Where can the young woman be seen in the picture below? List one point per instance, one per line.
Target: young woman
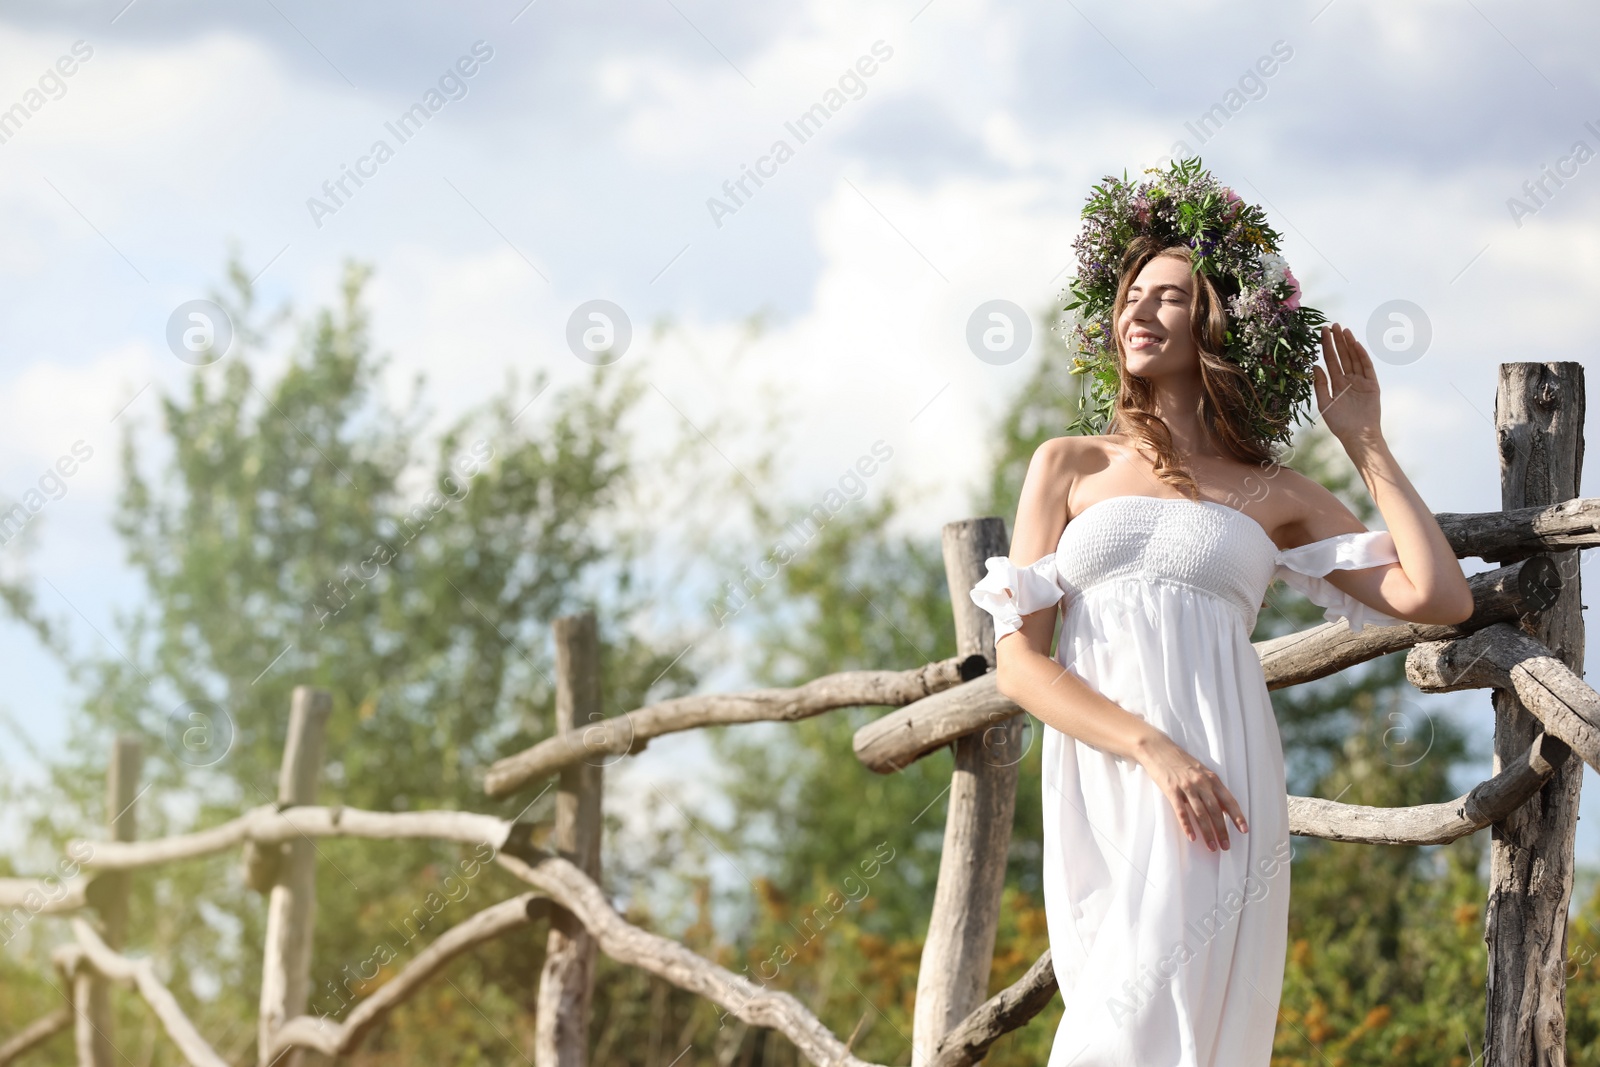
(1166, 853)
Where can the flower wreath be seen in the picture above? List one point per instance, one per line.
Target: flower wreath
(1270, 336)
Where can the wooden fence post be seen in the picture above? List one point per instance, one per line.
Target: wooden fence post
(959, 951)
(291, 911)
(92, 993)
(1539, 411)
(566, 986)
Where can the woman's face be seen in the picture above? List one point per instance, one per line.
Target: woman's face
(1154, 328)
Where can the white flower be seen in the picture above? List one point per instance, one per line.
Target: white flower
(1273, 267)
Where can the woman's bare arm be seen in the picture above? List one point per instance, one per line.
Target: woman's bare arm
(1027, 674)
(1427, 585)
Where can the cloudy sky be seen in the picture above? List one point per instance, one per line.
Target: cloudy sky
(595, 152)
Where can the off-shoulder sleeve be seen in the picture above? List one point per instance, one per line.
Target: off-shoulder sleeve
(1303, 569)
(1009, 592)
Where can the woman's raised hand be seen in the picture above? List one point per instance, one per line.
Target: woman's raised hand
(1198, 797)
(1347, 387)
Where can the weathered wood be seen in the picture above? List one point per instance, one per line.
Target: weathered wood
(1507, 659)
(628, 734)
(958, 953)
(566, 985)
(900, 738)
(91, 953)
(38, 896)
(109, 896)
(270, 825)
(755, 1004)
(1516, 533)
(1430, 824)
(747, 1001)
(342, 1038)
(266, 824)
(1008, 1010)
(83, 982)
(291, 910)
(1504, 594)
(1539, 413)
(35, 1034)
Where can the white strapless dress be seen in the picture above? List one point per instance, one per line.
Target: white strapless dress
(1169, 954)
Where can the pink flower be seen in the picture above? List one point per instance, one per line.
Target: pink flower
(1293, 301)
(1234, 206)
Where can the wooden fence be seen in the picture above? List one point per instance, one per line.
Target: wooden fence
(1524, 643)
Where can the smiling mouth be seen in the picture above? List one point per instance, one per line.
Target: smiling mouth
(1140, 339)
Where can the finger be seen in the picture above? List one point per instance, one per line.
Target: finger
(1205, 817)
(1363, 359)
(1319, 382)
(1341, 349)
(1352, 354)
(1199, 820)
(1330, 359)
(1231, 806)
(1218, 822)
(1181, 810)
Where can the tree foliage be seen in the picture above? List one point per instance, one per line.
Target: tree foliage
(292, 530)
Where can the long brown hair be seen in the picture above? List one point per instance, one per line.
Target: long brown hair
(1226, 394)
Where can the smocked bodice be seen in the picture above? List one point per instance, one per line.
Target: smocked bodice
(1204, 545)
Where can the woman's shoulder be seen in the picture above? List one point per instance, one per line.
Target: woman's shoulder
(1056, 466)
(1073, 447)
(1302, 486)
(1061, 461)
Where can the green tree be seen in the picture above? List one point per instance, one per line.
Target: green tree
(292, 530)
(1583, 984)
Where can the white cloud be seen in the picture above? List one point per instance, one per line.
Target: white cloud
(47, 406)
(683, 114)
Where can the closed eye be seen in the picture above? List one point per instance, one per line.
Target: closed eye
(1167, 290)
